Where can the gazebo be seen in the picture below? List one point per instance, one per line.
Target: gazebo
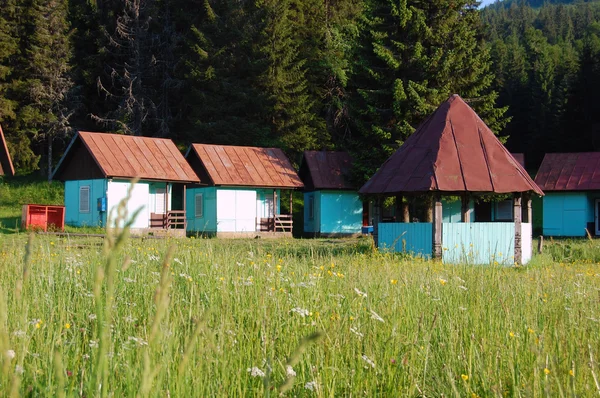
(453, 154)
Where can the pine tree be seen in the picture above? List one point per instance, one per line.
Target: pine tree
(9, 47)
(412, 56)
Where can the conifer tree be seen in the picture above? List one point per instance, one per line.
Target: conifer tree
(412, 56)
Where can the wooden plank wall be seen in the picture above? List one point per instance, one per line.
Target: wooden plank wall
(478, 243)
(415, 238)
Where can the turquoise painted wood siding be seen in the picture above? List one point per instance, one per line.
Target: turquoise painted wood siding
(451, 211)
(340, 212)
(73, 217)
(567, 213)
(207, 222)
(414, 238)
(478, 243)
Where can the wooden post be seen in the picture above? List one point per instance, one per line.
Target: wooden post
(184, 207)
(437, 226)
(541, 245)
(465, 214)
(274, 202)
(527, 214)
(405, 212)
(517, 217)
(291, 202)
(165, 218)
(376, 220)
(430, 209)
(398, 208)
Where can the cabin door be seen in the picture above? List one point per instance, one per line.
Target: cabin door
(160, 201)
(597, 214)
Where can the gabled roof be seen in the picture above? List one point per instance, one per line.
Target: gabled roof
(125, 156)
(569, 172)
(452, 151)
(6, 166)
(519, 157)
(326, 170)
(243, 166)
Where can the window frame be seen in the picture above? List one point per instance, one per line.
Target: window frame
(87, 209)
(511, 206)
(201, 213)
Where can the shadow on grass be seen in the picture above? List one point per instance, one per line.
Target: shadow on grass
(10, 225)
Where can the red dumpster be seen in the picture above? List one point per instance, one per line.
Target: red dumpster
(44, 217)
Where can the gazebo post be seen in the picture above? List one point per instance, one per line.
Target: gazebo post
(405, 212)
(437, 226)
(376, 220)
(465, 214)
(430, 201)
(517, 217)
(528, 214)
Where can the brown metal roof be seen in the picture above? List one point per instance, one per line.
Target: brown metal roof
(125, 156)
(245, 166)
(326, 170)
(452, 151)
(519, 157)
(569, 172)
(6, 165)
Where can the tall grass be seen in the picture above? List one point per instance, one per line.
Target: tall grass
(243, 318)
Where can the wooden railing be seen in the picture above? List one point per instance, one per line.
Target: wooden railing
(283, 223)
(176, 219)
(279, 223)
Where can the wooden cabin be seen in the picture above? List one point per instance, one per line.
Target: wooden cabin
(243, 192)
(571, 182)
(6, 165)
(453, 154)
(332, 206)
(97, 169)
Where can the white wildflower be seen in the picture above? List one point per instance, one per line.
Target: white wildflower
(138, 340)
(93, 344)
(376, 316)
(91, 317)
(178, 261)
(312, 386)
(129, 280)
(462, 308)
(86, 356)
(255, 372)
(361, 294)
(369, 361)
(185, 276)
(130, 319)
(19, 333)
(19, 369)
(153, 257)
(356, 332)
(300, 311)
(463, 287)
(10, 354)
(289, 371)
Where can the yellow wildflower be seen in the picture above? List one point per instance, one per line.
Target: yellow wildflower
(464, 377)
(571, 373)
(67, 326)
(393, 281)
(443, 281)
(546, 371)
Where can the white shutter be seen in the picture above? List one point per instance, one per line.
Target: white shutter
(84, 199)
(199, 206)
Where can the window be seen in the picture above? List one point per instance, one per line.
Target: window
(311, 208)
(504, 210)
(84, 199)
(199, 205)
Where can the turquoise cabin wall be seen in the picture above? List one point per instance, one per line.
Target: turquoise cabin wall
(208, 221)
(478, 243)
(412, 238)
(73, 217)
(340, 212)
(567, 213)
(451, 210)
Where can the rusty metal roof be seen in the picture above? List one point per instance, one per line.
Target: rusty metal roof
(245, 166)
(126, 156)
(326, 170)
(569, 172)
(452, 151)
(519, 157)
(6, 165)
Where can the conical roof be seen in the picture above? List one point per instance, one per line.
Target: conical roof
(452, 151)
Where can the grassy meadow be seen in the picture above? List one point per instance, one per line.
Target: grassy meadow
(194, 317)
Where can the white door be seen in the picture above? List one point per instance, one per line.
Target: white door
(236, 211)
(597, 213)
(160, 197)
